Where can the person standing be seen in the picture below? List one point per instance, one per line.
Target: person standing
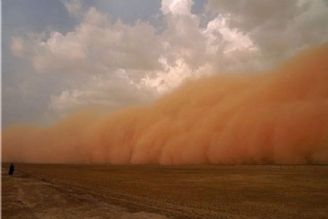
(11, 169)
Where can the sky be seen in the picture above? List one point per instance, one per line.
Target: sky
(62, 55)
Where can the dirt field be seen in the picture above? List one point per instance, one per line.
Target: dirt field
(104, 191)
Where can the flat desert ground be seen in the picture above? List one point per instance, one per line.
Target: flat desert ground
(151, 191)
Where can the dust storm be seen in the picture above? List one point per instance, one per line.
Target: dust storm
(279, 116)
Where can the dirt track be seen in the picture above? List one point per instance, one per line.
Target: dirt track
(101, 191)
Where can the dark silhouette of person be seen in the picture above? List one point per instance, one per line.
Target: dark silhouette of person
(11, 169)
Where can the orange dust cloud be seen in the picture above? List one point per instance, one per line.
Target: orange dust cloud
(279, 116)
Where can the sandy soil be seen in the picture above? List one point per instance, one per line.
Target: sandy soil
(105, 191)
(26, 197)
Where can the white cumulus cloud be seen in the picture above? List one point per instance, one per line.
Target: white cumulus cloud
(123, 64)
